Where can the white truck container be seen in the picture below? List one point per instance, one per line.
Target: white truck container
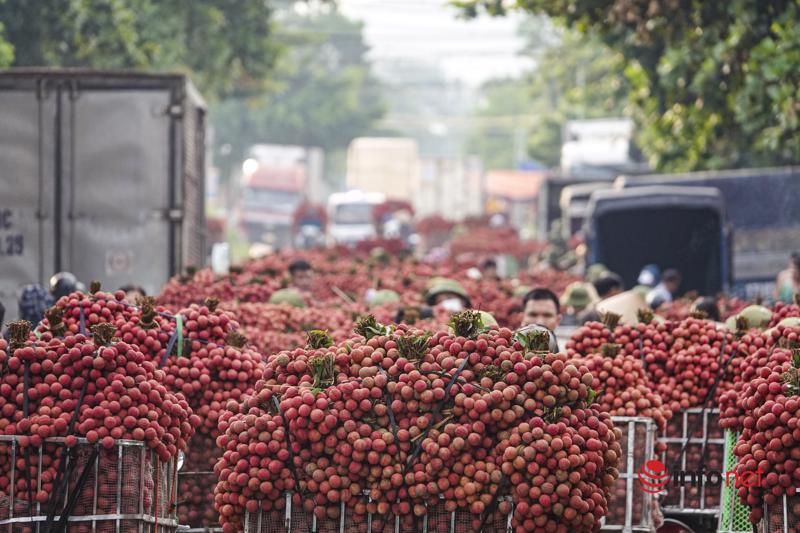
(350, 217)
(386, 165)
(102, 175)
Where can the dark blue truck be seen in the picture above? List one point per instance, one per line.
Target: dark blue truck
(762, 209)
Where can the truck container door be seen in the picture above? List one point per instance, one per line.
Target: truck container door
(28, 215)
(119, 185)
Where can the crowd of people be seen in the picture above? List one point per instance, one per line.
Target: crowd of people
(582, 301)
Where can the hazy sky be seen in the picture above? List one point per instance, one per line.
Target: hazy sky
(470, 51)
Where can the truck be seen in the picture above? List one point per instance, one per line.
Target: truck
(103, 176)
(673, 227)
(385, 165)
(350, 216)
(763, 206)
(574, 202)
(599, 149)
(548, 206)
(275, 179)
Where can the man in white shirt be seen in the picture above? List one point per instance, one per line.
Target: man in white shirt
(664, 291)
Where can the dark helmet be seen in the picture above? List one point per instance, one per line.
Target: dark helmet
(63, 283)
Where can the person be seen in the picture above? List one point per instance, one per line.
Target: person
(34, 300)
(608, 285)
(666, 289)
(787, 283)
(132, 293)
(595, 272)
(576, 300)
(707, 305)
(411, 314)
(449, 294)
(649, 276)
(64, 283)
(489, 269)
(540, 306)
(302, 275)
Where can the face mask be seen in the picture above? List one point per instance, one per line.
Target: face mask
(453, 305)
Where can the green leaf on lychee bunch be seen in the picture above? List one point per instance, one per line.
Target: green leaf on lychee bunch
(492, 372)
(792, 378)
(535, 340)
(610, 320)
(591, 397)
(368, 327)
(645, 315)
(467, 324)
(19, 332)
(610, 349)
(322, 370)
(413, 347)
(318, 338)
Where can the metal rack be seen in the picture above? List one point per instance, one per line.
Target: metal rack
(638, 446)
(293, 520)
(125, 489)
(783, 517)
(690, 430)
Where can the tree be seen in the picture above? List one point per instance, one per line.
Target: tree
(576, 77)
(322, 93)
(497, 133)
(713, 84)
(224, 45)
(6, 50)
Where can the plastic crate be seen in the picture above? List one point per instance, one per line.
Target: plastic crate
(734, 516)
(693, 440)
(783, 517)
(125, 488)
(629, 507)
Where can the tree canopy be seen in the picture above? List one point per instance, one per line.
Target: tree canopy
(713, 84)
(576, 77)
(322, 92)
(225, 46)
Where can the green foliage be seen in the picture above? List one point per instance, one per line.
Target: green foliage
(225, 46)
(322, 93)
(493, 137)
(713, 84)
(368, 327)
(575, 77)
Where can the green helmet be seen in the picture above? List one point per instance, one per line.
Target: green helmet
(757, 316)
(379, 254)
(595, 271)
(576, 295)
(288, 296)
(432, 282)
(521, 291)
(446, 285)
(384, 296)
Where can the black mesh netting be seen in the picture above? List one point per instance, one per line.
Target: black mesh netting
(361, 517)
(784, 516)
(125, 479)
